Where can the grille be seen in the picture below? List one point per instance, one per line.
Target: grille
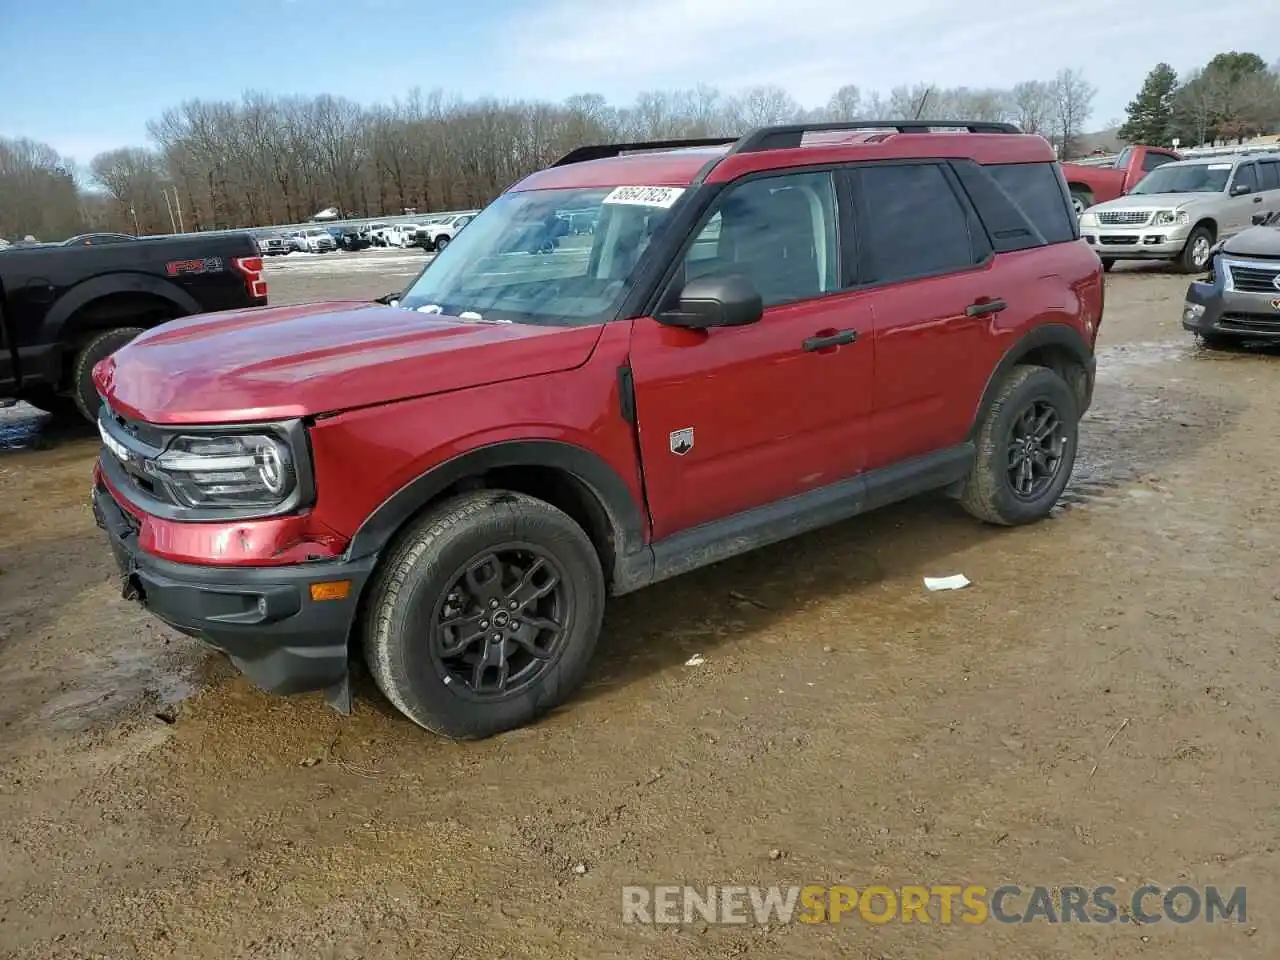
(1254, 279)
(1127, 218)
(1252, 322)
(1119, 238)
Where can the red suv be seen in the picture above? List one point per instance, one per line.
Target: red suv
(756, 338)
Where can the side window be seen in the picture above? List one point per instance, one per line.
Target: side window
(1152, 160)
(1035, 188)
(778, 231)
(1269, 175)
(1244, 174)
(911, 222)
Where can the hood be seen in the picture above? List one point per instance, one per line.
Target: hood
(274, 363)
(1254, 242)
(1155, 201)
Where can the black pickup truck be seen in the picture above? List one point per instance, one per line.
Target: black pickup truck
(64, 308)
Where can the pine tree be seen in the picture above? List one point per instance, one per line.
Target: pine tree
(1150, 113)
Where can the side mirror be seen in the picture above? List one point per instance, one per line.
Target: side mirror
(727, 300)
(1240, 189)
(1259, 219)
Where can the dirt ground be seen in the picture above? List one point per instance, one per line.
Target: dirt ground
(1101, 705)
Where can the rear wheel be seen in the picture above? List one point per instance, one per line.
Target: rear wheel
(485, 615)
(1081, 200)
(102, 345)
(1026, 448)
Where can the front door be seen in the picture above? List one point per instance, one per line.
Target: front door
(738, 417)
(1240, 209)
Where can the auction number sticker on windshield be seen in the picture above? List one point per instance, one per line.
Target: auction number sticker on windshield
(645, 196)
(1219, 166)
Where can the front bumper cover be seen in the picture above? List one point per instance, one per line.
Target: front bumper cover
(262, 618)
(1211, 309)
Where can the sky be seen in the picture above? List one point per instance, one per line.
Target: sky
(87, 75)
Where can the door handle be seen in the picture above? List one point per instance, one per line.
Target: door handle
(1257, 199)
(822, 341)
(983, 307)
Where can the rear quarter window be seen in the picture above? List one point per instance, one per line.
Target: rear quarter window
(1035, 188)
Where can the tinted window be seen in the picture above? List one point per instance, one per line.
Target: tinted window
(912, 221)
(1035, 188)
(1269, 176)
(1244, 174)
(779, 231)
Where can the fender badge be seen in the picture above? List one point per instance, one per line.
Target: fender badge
(682, 441)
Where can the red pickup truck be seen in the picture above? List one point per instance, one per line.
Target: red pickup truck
(1092, 183)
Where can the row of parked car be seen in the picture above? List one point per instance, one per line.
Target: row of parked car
(432, 234)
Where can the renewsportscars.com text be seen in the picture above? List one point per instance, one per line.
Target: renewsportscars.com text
(938, 903)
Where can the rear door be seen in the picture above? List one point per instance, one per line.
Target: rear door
(938, 299)
(1269, 185)
(739, 417)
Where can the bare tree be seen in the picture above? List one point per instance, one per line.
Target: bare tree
(1073, 104)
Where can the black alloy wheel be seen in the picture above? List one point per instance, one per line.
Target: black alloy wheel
(501, 623)
(1037, 444)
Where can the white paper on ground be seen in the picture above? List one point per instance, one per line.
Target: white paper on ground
(956, 581)
(696, 660)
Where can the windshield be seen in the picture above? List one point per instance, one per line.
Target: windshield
(1195, 178)
(519, 262)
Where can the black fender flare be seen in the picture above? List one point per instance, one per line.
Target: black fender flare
(587, 468)
(116, 283)
(1058, 335)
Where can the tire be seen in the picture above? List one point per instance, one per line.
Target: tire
(1108, 263)
(405, 647)
(989, 492)
(1081, 200)
(441, 243)
(1195, 255)
(101, 346)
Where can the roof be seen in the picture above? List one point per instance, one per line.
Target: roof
(1234, 159)
(668, 164)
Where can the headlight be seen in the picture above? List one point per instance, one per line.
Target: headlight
(226, 471)
(1168, 218)
(1088, 219)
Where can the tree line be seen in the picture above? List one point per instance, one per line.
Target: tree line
(265, 159)
(1231, 98)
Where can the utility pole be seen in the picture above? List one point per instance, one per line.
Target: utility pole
(178, 203)
(169, 203)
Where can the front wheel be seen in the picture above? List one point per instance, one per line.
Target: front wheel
(1026, 448)
(441, 243)
(485, 615)
(1195, 255)
(1108, 263)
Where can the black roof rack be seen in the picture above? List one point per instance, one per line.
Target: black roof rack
(791, 135)
(600, 151)
(782, 137)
